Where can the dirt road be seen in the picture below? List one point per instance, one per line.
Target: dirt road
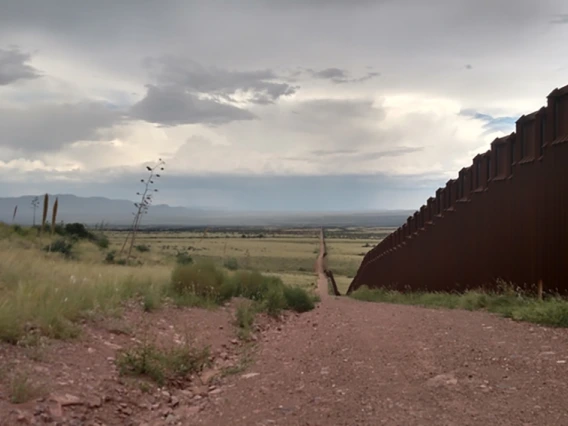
(356, 363)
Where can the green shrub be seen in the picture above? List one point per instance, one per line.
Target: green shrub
(183, 258)
(203, 283)
(275, 301)
(22, 389)
(23, 232)
(102, 241)
(78, 230)
(151, 299)
(244, 316)
(253, 285)
(231, 264)
(109, 258)
(298, 299)
(62, 246)
(142, 248)
(203, 279)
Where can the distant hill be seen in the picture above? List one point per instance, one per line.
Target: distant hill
(93, 210)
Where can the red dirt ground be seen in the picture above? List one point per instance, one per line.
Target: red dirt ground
(345, 363)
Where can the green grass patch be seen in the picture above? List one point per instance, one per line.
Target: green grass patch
(162, 365)
(552, 311)
(244, 318)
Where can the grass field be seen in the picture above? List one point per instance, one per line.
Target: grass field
(289, 253)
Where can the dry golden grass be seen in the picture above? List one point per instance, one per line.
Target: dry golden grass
(42, 291)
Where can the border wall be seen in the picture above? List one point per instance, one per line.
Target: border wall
(504, 217)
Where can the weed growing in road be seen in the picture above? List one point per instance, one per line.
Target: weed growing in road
(22, 389)
(552, 311)
(245, 360)
(162, 365)
(244, 319)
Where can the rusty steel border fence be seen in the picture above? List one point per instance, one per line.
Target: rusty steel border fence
(505, 217)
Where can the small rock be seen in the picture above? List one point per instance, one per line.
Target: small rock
(234, 341)
(174, 401)
(94, 402)
(126, 410)
(55, 410)
(215, 391)
(22, 417)
(67, 400)
(443, 379)
(250, 375)
(47, 418)
(208, 375)
(166, 395)
(171, 419)
(191, 411)
(200, 390)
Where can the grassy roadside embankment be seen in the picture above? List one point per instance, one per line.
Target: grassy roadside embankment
(551, 311)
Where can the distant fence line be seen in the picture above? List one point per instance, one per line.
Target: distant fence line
(504, 217)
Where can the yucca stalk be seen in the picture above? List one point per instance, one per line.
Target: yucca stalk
(143, 205)
(54, 215)
(53, 219)
(35, 205)
(44, 216)
(14, 215)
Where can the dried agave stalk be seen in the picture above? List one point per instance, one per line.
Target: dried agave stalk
(54, 215)
(44, 216)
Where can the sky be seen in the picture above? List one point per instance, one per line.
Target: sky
(303, 105)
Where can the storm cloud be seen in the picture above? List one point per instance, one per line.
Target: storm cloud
(171, 106)
(300, 92)
(14, 66)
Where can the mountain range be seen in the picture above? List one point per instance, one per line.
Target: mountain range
(94, 210)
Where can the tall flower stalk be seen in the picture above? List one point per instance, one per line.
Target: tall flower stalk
(146, 198)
